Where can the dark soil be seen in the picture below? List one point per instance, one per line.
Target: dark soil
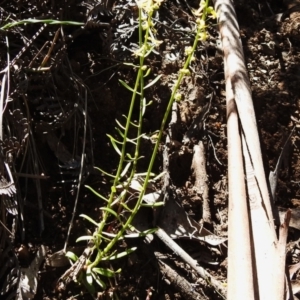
(48, 107)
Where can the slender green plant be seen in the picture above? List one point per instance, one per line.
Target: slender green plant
(34, 21)
(103, 243)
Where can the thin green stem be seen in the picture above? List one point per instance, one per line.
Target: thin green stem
(139, 83)
(170, 104)
(143, 43)
(119, 170)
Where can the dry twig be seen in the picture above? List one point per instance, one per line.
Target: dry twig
(189, 260)
(201, 179)
(179, 282)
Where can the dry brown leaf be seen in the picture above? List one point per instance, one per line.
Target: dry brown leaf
(293, 269)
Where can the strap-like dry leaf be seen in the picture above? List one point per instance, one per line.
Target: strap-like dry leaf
(29, 276)
(293, 269)
(59, 259)
(295, 217)
(177, 224)
(295, 286)
(151, 198)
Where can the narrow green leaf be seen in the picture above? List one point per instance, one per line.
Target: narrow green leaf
(100, 282)
(109, 210)
(129, 156)
(130, 141)
(89, 277)
(147, 73)
(135, 125)
(132, 235)
(159, 176)
(138, 137)
(72, 256)
(143, 106)
(85, 238)
(125, 169)
(122, 185)
(100, 236)
(126, 207)
(46, 21)
(119, 198)
(144, 174)
(105, 173)
(156, 204)
(89, 219)
(128, 87)
(130, 160)
(131, 227)
(149, 231)
(119, 255)
(140, 234)
(153, 81)
(120, 132)
(115, 146)
(104, 272)
(116, 141)
(112, 235)
(120, 125)
(149, 51)
(95, 193)
(130, 65)
(124, 138)
(149, 103)
(133, 159)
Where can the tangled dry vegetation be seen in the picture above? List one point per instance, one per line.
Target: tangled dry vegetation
(60, 96)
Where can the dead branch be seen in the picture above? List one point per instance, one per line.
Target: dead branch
(201, 186)
(193, 263)
(179, 282)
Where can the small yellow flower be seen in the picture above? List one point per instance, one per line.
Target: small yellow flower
(154, 41)
(188, 50)
(202, 3)
(198, 12)
(210, 10)
(202, 36)
(140, 51)
(177, 97)
(145, 25)
(145, 5)
(201, 23)
(155, 6)
(185, 71)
